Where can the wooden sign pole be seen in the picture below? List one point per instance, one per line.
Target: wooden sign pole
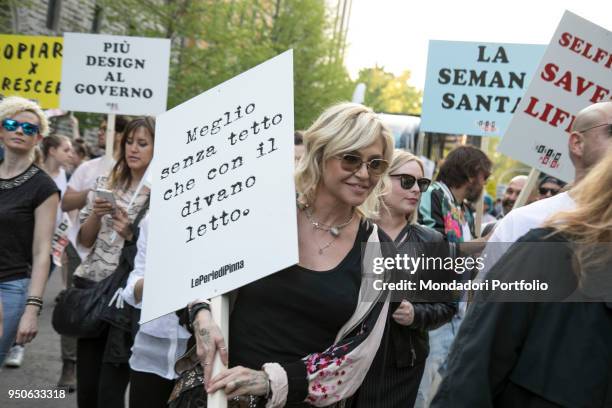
(219, 307)
(110, 136)
(484, 146)
(479, 213)
(527, 188)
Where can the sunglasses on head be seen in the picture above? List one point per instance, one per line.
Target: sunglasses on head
(12, 125)
(552, 191)
(407, 181)
(352, 163)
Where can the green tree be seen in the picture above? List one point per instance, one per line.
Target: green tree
(214, 40)
(504, 168)
(8, 10)
(386, 92)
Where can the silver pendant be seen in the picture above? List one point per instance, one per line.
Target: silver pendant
(334, 231)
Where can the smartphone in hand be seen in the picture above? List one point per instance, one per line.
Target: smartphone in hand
(106, 195)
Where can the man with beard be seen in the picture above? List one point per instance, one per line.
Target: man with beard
(444, 207)
(511, 194)
(462, 177)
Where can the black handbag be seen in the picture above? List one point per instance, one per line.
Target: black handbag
(84, 311)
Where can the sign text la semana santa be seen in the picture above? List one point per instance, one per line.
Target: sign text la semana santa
(475, 87)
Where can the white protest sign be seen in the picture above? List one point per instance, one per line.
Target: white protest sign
(115, 74)
(223, 210)
(60, 239)
(575, 72)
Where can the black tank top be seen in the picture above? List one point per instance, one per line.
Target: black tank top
(295, 312)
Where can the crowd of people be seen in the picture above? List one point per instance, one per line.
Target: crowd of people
(317, 333)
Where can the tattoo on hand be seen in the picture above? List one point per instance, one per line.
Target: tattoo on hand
(204, 335)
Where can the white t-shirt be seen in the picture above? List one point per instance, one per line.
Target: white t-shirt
(84, 178)
(61, 182)
(518, 222)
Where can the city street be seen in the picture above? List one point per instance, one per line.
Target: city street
(42, 362)
(354, 170)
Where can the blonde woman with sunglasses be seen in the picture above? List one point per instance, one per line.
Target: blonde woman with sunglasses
(307, 335)
(400, 360)
(29, 200)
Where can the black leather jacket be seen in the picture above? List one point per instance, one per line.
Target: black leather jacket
(413, 340)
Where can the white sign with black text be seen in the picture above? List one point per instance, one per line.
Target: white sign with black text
(223, 210)
(115, 74)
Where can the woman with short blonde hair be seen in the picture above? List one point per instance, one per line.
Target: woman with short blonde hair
(320, 310)
(28, 203)
(341, 129)
(401, 363)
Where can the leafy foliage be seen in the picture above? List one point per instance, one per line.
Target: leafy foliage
(386, 92)
(214, 40)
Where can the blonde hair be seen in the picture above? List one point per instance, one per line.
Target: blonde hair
(590, 223)
(342, 128)
(13, 105)
(401, 157)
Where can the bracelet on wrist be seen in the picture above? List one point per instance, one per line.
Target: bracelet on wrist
(36, 304)
(194, 309)
(35, 300)
(268, 386)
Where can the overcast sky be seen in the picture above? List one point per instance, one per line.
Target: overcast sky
(395, 33)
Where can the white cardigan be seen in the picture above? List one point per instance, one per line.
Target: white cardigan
(160, 342)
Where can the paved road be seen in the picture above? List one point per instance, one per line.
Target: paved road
(42, 363)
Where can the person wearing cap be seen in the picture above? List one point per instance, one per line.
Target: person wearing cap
(488, 214)
(549, 186)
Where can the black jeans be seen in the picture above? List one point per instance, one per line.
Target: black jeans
(99, 384)
(149, 390)
(69, 344)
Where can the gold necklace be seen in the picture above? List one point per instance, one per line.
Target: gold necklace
(324, 247)
(334, 230)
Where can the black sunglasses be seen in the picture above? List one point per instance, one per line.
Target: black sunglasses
(609, 125)
(552, 191)
(352, 163)
(12, 125)
(407, 181)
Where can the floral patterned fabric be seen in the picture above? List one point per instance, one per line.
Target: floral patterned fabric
(338, 372)
(438, 210)
(104, 255)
